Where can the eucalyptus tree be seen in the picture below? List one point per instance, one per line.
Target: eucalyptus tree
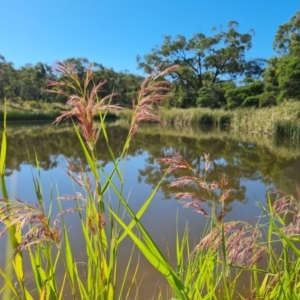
(8, 79)
(287, 38)
(204, 60)
(282, 75)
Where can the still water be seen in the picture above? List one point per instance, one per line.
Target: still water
(255, 165)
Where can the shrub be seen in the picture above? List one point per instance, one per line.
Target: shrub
(251, 101)
(267, 99)
(34, 104)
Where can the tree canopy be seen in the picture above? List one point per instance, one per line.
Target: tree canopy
(204, 60)
(28, 82)
(215, 71)
(287, 38)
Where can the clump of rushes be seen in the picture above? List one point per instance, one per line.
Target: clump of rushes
(235, 247)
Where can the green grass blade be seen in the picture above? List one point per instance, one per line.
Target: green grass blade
(69, 259)
(142, 209)
(61, 294)
(83, 293)
(10, 285)
(3, 145)
(87, 155)
(116, 168)
(34, 268)
(158, 261)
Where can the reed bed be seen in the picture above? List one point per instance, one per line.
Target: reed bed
(210, 270)
(192, 116)
(282, 147)
(195, 116)
(281, 120)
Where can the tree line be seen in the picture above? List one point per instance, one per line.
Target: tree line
(30, 81)
(215, 71)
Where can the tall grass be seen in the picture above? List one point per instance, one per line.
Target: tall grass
(282, 120)
(210, 270)
(198, 116)
(192, 116)
(38, 115)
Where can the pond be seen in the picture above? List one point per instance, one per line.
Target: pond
(254, 166)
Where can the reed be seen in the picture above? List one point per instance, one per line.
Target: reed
(210, 270)
(287, 129)
(281, 120)
(198, 116)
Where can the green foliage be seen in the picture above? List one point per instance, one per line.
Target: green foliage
(263, 120)
(202, 116)
(287, 38)
(287, 129)
(289, 78)
(251, 101)
(244, 96)
(30, 116)
(211, 96)
(270, 76)
(267, 99)
(204, 61)
(34, 104)
(29, 82)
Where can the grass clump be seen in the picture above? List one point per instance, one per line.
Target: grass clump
(192, 116)
(196, 116)
(211, 270)
(281, 120)
(287, 129)
(270, 120)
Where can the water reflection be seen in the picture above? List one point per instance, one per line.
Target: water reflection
(253, 165)
(240, 160)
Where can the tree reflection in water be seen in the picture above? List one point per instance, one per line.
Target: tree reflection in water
(240, 160)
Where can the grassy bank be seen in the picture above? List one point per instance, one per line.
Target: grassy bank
(210, 270)
(285, 148)
(36, 111)
(281, 120)
(192, 116)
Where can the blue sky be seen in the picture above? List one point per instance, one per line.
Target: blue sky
(114, 32)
